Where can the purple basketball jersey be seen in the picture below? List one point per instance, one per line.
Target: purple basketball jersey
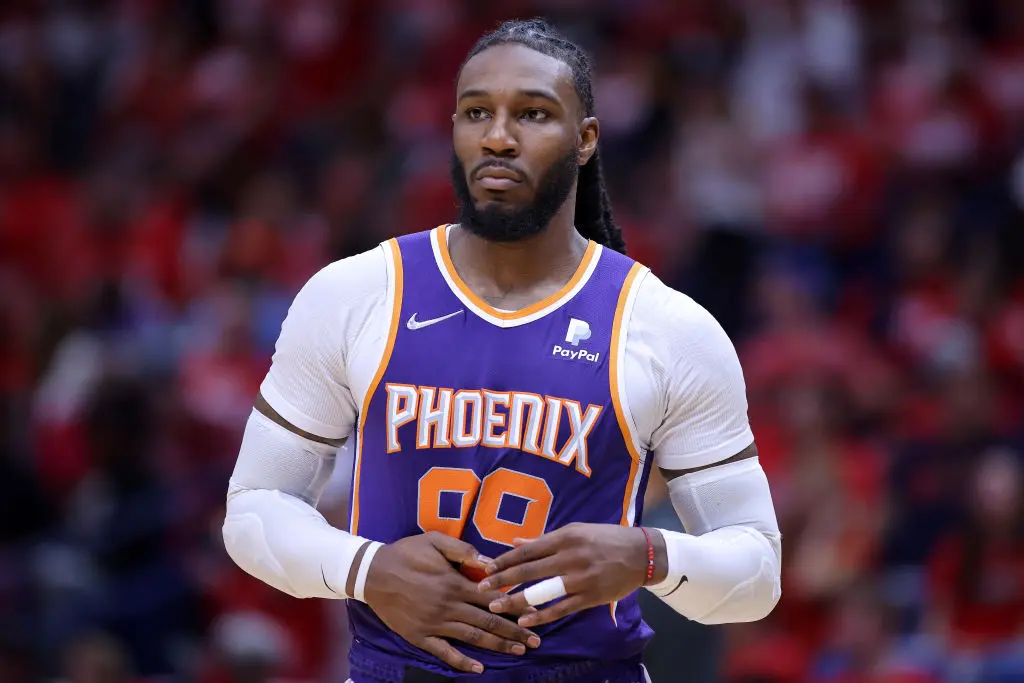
(489, 432)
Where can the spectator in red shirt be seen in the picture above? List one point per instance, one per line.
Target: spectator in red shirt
(977, 574)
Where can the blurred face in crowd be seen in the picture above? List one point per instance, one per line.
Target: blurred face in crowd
(96, 659)
(997, 489)
(517, 136)
(861, 622)
(922, 237)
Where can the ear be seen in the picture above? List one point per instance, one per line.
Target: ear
(590, 131)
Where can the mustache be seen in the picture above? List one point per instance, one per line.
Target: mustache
(497, 163)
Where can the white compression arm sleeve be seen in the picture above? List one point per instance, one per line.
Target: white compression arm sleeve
(272, 529)
(727, 568)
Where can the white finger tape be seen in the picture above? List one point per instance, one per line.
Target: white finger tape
(545, 591)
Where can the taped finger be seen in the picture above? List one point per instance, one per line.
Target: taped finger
(545, 591)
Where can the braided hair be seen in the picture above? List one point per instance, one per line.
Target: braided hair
(593, 215)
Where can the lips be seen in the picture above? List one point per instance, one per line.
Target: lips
(498, 178)
(495, 183)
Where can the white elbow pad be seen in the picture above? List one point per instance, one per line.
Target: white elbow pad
(272, 529)
(287, 544)
(727, 568)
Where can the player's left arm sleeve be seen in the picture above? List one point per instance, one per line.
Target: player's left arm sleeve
(727, 566)
(703, 405)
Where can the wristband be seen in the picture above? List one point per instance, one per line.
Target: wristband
(364, 569)
(650, 556)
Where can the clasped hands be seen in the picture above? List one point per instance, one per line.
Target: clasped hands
(411, 587)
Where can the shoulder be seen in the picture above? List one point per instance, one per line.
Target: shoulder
(339, 300)
(696, 395)
(653, 294)
(310, 379)
(677, 328)
(350, 279)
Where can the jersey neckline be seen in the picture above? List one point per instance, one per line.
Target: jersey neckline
(503, 318)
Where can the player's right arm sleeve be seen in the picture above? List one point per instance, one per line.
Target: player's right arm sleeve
(309, 382)
(272, 529)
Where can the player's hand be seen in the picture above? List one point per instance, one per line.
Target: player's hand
(414, 589)
(598, 563)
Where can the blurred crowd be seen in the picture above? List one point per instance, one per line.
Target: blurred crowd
(841, 182)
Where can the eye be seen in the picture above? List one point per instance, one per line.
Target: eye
(536, 115)
(476, 114)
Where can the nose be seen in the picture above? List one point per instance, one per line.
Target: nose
(499, 139)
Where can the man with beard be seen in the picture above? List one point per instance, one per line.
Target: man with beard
(507, 380)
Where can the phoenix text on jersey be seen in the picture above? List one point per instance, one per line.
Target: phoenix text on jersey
(446, 418)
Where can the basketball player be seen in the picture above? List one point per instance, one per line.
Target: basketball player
(510, 381)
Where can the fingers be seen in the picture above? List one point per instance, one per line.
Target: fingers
(538, 594)
(458, 551)
(479, 638)
(521, 573)
(450, 656)
(526, 551)
(518, 610)
(515, 608)
(481, 633)
(514, 604)
(469, 592)
(559, 610)
(497, 627)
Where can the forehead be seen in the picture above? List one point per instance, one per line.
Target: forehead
(503, 70)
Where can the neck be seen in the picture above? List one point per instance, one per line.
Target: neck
(509, 268)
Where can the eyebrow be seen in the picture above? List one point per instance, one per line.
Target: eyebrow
(532, 93)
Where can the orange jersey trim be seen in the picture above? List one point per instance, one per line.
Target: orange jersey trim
(614, 373)
(396, 314)
(560, 295)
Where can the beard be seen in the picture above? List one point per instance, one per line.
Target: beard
(499, 222)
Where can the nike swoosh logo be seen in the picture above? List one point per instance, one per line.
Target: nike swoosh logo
(414, 324)
(683, 580)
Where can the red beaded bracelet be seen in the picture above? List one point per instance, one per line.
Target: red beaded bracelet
(650, 556)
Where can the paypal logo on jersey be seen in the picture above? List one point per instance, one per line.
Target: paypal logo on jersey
(579, 330)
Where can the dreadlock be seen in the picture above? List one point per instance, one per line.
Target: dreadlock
(593, 208)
